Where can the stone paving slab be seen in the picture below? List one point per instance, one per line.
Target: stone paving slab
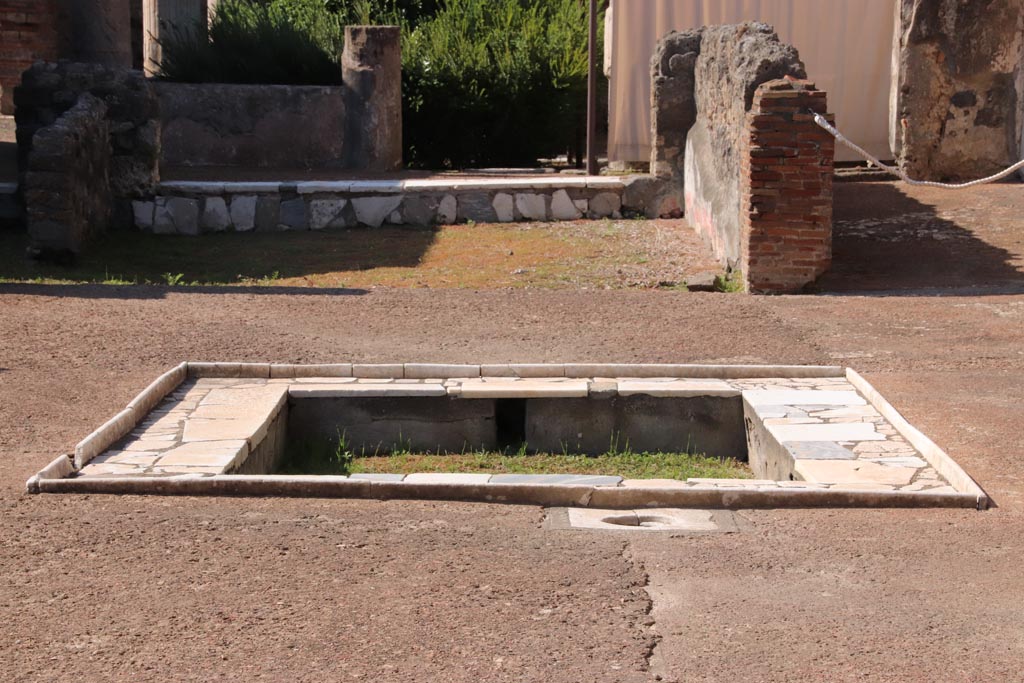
(838, 440)
(569, 479)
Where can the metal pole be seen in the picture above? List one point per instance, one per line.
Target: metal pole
(592, 167)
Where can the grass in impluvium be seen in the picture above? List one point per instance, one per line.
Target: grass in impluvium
(312, 458)
(577, 254)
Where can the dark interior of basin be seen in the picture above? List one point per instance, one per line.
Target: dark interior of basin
(709, 425)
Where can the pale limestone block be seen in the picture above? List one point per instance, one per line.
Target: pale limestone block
(859, 431)
(900, 461)
(143, 215)
(794, 397)
(524, 388)
(365, 390)
(849, 412)
(283, 370)
(446, 478)
(604, 205)
(843, 472)
(243, 212)
(448, 210)
(371, 211)
(215, 216)
(523, 370)
(531, 206)
(504, 207)
(94, 469)
(654, 484)
(562, 208)
(326, 213)
(680, 388)
(439, 370)
(378, 370)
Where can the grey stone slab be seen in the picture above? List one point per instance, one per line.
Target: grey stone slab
(215, 216)
(564, 479)
(446, 478)
(184, 214)
(243, 212)
(369, 476)
(143, 214)
(604, 205)
(292, 215)
(476, 207)
(421, 211)
(268, 210)
(819, 450)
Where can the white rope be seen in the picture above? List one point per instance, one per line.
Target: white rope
(896, 171)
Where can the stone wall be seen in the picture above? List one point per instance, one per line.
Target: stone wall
(192, 208)
(743, 141)
(48, 90)
(673, 102)
(733, 61)
(28, 32)
(287, 126)
(355, 126)
(67, 184)
(957, 98)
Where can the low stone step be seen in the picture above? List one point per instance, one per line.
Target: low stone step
(195, 207)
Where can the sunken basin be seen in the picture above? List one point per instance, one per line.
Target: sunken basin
(812, 435)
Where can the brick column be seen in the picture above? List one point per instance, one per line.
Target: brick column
(786, 188)
(28, 32)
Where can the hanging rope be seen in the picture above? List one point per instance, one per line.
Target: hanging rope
(896, 171)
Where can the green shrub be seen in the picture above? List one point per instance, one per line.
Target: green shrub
(485, 82)
(252, 41)
(494, 82)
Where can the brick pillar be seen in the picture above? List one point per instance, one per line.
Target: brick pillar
(28, 32)
(786, 188)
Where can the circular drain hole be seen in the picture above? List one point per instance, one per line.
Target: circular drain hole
(648, 521)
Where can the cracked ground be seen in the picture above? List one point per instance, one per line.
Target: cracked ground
(101, 588)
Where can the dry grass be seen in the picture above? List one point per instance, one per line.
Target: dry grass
(578, 254)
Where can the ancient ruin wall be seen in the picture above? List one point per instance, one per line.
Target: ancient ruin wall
(753, 161)
(283, 126)
(67, 189)
(355, 126)
(957, 98)
(673, 103)
(49, 90)
(733, 61)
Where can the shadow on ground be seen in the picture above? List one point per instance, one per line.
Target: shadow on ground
(264, 260)
(890, 237)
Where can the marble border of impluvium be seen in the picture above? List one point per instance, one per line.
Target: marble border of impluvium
(58, 476)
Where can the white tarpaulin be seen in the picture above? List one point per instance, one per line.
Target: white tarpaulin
(845, 44)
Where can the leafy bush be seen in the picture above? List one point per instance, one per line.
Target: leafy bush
(494, 82)
(485, 82)
(253, 41)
